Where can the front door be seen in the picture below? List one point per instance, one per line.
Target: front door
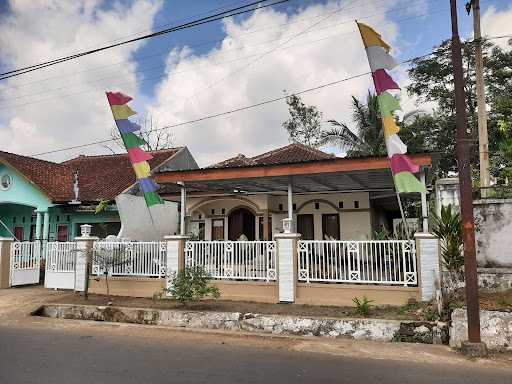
(218, 229)
(62, 233)
(331, 226)
(241, 223)
(306, 226)
(19, 233)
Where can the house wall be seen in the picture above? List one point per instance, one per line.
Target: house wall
(24, 216)
(355, 223)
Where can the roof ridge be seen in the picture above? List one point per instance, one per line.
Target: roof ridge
(277, 150)
(80, 157)
(29, 157)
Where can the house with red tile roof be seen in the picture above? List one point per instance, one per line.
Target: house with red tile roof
(43, 200)
(321, 195)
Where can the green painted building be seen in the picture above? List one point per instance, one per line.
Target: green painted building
(42, 200)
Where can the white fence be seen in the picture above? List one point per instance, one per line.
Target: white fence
(234, 260)
(386, 262)
(60, 265)
(146, 259)
(25, 262)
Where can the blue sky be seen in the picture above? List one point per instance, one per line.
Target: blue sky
(205, 70)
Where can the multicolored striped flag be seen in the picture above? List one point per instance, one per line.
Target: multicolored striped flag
(138, 157)
(380, 60)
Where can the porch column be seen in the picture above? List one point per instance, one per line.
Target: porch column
(290, 201)
(183, 209)
(39, 219)
(46, 225)
(427, 265)
(175, 257)
(265, 226)
(424, 206)
(5, 261)
(287, 266)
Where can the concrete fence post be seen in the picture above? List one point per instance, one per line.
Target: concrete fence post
(5, 261)
(175, 256)
(84, 246)
(428, 265)
(287, 266)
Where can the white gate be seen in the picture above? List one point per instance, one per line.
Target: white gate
(25, 262)
(60, 265)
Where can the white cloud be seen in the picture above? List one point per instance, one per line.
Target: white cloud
(497, 23)
(38, 30)
(216, 88)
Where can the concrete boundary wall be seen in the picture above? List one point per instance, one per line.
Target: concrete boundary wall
(311, 294)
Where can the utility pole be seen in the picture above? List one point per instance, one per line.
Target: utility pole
(473, 346)
(483, 139)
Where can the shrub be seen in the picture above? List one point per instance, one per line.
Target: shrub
(192, 284)
(363, 306)
(448, 227)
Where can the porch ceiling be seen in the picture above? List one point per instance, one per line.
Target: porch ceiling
(371, 174)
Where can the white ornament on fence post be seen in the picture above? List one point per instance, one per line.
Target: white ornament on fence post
(287, 265)
(427, 250)
(175, 257)
(84, 245)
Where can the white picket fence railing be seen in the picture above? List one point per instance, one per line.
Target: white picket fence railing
(146, 259)
(60, 256)
(234, 260)
(388, 262)
(25, 255)
(25, 263)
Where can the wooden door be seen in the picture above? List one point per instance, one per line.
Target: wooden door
(218, 229)
(62, 233)
(306, 226)
(19, 233)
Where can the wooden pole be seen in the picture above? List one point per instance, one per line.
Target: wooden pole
(483, 140)
(466, 193)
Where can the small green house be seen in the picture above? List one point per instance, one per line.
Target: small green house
(42, 200)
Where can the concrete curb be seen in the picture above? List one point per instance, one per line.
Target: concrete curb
(355, 328)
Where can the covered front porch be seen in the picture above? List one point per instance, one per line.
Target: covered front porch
(335, 199)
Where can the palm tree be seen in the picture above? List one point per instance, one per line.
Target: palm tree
(369, 139)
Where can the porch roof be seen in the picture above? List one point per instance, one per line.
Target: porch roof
(332, 174)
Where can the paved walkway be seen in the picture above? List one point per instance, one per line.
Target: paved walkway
(17, 303)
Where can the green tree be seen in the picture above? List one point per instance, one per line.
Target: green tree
(369, 138)
(432, 81)
(305, 123)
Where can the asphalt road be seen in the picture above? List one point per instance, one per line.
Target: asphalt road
(54, 356)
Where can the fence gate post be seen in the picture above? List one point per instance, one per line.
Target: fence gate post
(428, 264)
(84, 245)
(175, 256)
(287, 266)
(5, 261)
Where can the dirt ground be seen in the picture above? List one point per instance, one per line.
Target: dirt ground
(414, 311)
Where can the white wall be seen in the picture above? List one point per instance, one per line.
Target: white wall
(355, 223)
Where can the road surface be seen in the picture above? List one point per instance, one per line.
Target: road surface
(69, 352)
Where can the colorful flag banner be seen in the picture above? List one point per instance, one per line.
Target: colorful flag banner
(132, 142)
(380, 60)
(137, 155)
(127, 126)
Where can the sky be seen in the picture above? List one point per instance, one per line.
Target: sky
(204, 70)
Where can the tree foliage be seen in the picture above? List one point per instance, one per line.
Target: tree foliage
(432, 81)
(305, 123)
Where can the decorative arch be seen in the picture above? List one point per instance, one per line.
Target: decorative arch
(247, 204)
(329, 203)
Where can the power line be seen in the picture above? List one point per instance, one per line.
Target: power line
(247, 107)
(195, 23)
(279, 47)
(212, 42)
